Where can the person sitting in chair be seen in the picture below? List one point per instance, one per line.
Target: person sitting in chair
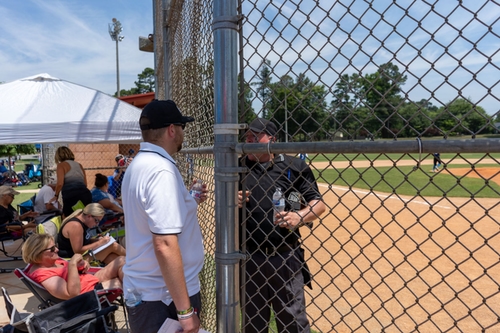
(43, 200)
(66, 279)
(8, 214)
(100, 194)
(74, 236)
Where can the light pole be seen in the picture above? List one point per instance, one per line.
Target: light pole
(115, 29)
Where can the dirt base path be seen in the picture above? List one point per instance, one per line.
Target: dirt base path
(392, 263)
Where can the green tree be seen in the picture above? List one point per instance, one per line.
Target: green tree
(381, 93)
(416, 120)
(305, 115)
(263, 86)
(246, 112)
(145, 83)
(14, 150)
(346, 95)
(461, 116)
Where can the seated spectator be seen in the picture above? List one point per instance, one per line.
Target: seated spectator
(74, 236)
(123, 163)
(3, 169)
(45, 200)
(66, 279)
(8, 213)
(100, 194)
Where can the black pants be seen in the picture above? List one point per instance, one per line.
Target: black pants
(148, 317)
(72, 194)
(275, 281)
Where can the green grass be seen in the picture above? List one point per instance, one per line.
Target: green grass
(31, 186)
(407, 181)
(393, 157)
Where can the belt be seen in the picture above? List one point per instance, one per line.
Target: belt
(273, 250)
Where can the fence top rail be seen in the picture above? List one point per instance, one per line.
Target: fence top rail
(345, 147)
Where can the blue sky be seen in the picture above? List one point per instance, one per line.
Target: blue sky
(69, 39)
(431, 41)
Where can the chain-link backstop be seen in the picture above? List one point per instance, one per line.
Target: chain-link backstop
(366, 91)
(363, 88)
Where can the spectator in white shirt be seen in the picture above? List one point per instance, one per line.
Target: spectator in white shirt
(45, 195)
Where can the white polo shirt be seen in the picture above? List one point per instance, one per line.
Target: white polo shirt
(155, 200)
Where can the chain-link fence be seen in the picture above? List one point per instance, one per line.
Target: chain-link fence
(404, 245)
(366, 92)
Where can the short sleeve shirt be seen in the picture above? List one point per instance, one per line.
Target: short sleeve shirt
(87, 281)
(156, 201)
(297, 182)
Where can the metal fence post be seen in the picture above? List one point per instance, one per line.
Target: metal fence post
(226, 163)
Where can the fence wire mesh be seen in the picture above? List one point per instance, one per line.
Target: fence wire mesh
(400, 248)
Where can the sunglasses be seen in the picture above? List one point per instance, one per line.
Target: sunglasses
(97, 220)
(183, 125)
(52, 249)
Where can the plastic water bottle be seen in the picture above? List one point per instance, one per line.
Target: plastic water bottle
(133, 299)
(278, 201)
(197, 190)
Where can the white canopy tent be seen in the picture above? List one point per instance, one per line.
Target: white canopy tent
(45, 109)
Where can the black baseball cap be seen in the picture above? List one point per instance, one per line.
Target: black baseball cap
(259, 125)
(162, 114)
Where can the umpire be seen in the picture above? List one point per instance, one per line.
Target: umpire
(276, 272)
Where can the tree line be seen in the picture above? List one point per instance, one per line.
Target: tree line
(363, 106)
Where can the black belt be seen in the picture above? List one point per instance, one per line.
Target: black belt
(272, 250)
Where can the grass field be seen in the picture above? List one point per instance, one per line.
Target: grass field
(392, 157)
(405, 180)
(31, 186)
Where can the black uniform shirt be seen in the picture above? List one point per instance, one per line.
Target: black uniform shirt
(296, 181)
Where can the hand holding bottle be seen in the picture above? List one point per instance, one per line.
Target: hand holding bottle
(199, 191)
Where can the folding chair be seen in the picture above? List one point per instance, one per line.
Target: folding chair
(51, 226)
(83, 314)
(27, 205)
(107, 296)
(7, 237)
(17, 319)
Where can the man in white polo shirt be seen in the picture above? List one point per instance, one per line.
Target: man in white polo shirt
(164, 242)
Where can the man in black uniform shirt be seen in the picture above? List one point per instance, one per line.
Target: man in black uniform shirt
(276, 272)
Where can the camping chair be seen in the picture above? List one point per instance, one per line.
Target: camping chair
(106, 296)
(17, 319)
(26, 206)
(8, 237)
(51, 226)
(81, 314)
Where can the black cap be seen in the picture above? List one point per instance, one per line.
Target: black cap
(162, 114)
(259, 125)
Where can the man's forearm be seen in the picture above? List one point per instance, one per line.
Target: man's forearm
(170, 260)
(312, 211)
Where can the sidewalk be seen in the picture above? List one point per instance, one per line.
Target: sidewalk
(22, 298)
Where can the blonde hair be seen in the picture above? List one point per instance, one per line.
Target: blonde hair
(63, 154)
(34, 246)
(94, 209)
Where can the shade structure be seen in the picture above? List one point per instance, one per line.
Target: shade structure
(45, 109)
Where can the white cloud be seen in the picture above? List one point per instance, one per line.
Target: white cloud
(70, 40)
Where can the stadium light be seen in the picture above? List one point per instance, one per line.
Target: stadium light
(115, 29)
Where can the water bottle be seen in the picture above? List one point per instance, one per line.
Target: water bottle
(278, 201)
(133, 299)
(197, 190)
